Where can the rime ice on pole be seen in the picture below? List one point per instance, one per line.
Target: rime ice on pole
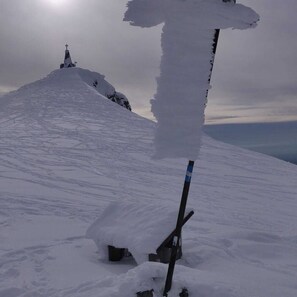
(182, 86)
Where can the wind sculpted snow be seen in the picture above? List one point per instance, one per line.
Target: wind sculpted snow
(187, 57)
(67, 152)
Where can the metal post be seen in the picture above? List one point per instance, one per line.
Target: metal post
(179, 224)
(183, 203)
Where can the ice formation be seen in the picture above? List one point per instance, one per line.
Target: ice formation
(187, 45)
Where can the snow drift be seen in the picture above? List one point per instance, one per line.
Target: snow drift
(135, 226)
(66, 152)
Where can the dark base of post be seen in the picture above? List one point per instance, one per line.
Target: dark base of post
(148, 293)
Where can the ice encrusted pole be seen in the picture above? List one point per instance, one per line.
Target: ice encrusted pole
(186, 188)
(189, 41)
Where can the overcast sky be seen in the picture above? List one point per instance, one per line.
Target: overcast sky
(255, 73)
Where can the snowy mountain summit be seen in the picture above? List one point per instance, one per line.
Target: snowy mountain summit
(74, 78)
(66, 152)
(95, 80)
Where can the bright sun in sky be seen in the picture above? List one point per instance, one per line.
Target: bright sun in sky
(57, 2)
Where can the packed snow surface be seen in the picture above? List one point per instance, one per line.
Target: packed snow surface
(187, 45)
(67, 152)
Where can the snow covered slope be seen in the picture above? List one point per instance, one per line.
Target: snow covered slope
(66, 152)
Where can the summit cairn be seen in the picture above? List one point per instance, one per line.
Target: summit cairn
(67, 59)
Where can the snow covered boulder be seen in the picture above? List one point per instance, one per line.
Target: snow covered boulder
(120, 99)
(98, 82)
(140, 229)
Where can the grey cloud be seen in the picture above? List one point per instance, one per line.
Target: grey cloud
(257, 66)
(220, 118)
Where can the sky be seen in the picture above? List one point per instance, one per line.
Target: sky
(254, 77)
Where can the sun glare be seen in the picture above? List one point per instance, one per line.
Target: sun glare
(57, 2)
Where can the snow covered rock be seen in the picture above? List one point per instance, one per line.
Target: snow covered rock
(151, 276)
(187, 45)
(98, 81)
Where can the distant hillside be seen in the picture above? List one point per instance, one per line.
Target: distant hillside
(276, 139)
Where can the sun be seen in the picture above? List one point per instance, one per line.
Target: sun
(57, 3)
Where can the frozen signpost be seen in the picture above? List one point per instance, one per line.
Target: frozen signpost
(189, 38)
